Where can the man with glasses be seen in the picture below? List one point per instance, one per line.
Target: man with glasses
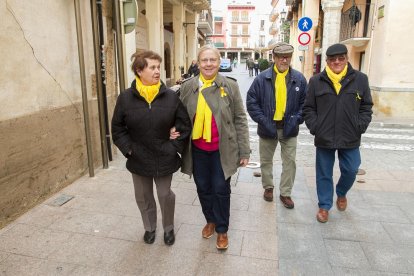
(274, 101)
(338, 109)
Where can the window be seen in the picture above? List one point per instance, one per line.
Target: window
(262, 41)
(245, 16)
(235, 16)
(234, 42)
(262, 25)
(245, 42)
(233, 29)
(245, 29)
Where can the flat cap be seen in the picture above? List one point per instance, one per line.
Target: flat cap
(336, 49)
(283, 48)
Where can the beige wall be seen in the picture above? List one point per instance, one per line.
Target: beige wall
(391, 70)
(41, 119)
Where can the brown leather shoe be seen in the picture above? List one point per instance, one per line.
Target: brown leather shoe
(322, 215)
(208, 230)
(268, 194)
(222, 241)
(341, 203)
(287, 202)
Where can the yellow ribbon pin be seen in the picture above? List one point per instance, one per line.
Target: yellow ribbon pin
(222, 93)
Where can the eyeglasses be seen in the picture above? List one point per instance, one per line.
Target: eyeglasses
(284, 57)
(206, 60)
(335, 58)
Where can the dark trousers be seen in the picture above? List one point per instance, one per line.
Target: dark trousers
(212, 188)
(349, 162)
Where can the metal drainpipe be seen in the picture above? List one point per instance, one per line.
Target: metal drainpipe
(119, 44)
(97, 52)
(103, 68)
(83, 87)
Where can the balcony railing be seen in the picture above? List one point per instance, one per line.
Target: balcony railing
(354, 23)
(273, 29)
(273, 15)
(205, 22)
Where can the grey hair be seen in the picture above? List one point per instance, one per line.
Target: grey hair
(208, 47)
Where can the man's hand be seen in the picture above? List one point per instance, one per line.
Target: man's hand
(174, 134)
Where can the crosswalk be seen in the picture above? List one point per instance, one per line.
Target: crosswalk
(381, 138)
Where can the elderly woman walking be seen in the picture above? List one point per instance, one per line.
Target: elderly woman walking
(143, 117)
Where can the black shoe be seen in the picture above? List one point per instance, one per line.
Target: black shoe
(149, 237)
(169, 238)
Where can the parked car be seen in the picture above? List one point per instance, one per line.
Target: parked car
(225, 65)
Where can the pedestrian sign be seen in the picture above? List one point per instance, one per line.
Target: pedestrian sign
(305, 24)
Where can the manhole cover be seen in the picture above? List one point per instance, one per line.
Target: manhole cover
(62, 199)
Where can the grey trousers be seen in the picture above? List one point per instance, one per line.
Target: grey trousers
(267, 149)
(144, 197)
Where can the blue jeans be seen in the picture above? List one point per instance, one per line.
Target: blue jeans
(349, 162)
(212, 188)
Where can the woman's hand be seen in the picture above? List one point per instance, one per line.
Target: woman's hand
(244, 162)
(174, 134)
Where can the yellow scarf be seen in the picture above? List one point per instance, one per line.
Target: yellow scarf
(336, 78)
(203, 118)
(280, 94)
(147, 91)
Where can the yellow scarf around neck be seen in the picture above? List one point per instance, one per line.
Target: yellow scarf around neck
(203, 118)
(147, 91)
(336, 78)
(280, 94)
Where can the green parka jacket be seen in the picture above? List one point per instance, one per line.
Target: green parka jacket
(226, 104)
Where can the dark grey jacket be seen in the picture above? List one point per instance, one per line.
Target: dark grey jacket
(338, 120)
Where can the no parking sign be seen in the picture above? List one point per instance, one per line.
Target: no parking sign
(304, 38)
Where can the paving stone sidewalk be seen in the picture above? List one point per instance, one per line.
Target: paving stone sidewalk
(99, 231)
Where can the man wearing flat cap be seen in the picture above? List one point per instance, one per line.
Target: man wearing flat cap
(274, 101)
(337, 111)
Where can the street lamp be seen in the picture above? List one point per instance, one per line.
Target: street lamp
(282, 19)
(283, 15)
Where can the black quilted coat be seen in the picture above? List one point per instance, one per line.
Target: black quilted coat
(141, 131)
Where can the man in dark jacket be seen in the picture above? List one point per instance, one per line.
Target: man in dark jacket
(193, 70)
(338, 109)
(274, 101)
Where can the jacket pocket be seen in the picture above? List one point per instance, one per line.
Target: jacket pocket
(291, 128)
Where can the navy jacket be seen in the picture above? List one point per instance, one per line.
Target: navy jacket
(261, 103)
(143, 130)
(338, 120)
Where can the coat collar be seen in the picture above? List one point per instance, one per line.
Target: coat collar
(350, 75)
(162, 90)
(220, 81)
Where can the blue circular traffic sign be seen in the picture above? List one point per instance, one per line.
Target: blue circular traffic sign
(305, 24)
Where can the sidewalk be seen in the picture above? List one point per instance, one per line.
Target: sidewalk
(99, 231)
